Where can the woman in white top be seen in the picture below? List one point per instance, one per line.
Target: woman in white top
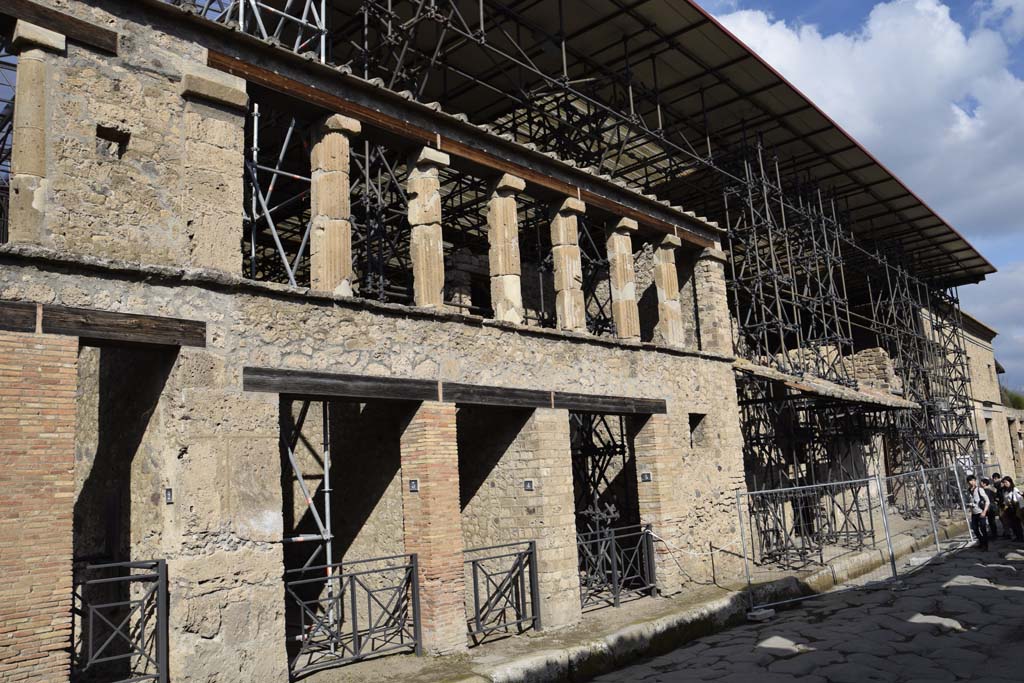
(1014, 501)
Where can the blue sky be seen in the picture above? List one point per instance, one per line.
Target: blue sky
(936, 91)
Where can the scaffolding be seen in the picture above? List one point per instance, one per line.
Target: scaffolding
(824, 264)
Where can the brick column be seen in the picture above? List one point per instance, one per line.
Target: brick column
(433, 523)
(330, 239)
(503, 237)
(565, 252)
(29, 185)
(662, 502)
(669, 329)
(38, 382)
(425, 246)
(712, 301)
(622, 277)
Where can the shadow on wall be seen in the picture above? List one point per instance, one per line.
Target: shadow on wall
(119, 392)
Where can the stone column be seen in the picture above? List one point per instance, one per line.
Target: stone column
(622, 276)
(503, 237)
(425, 246)
(433, 523)
(661, 501)
(669, 329)
(554, 519)
(29, 183)
(712, 301)
(565, 252)
(330, 239)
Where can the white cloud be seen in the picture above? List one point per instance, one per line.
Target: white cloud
(937, 103)
(1006, 15)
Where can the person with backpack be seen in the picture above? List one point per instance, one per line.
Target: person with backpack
(1013, 500)
(979, 504)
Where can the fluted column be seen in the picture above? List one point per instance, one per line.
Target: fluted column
(330, 240)
(669, 328)
(622, 277)
(426, 249)
(503, 237)
(565, 252)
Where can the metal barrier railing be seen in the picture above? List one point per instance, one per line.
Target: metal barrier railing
(345, 612)
(615, 562)
(505, 596)
(860, 532)
(120, 622)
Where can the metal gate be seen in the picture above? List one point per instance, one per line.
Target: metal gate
(860, 532)
(505, 596)
(342, 613)
(615, 562)
(120, 622)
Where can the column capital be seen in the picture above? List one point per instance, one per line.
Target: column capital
(339, 123)
(510, 183)
(626, 225)
(670, 242)
(713, 255)
(428, 157)
(217, 86)
(572, 206)
(30, 36)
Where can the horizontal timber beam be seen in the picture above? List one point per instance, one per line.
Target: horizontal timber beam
(96, 327)
(75, 29)
(373, 106)
(340, 386)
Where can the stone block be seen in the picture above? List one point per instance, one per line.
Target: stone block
(210, 84)
(342, 124)
(510, 184)
(28, 36)
(430, 157)
(27, 208)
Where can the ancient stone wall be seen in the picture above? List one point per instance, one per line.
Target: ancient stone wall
(139, 161)
(989, 412)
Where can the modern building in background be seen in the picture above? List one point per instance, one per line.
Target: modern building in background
(334, 330)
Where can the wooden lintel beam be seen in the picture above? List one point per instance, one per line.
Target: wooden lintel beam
(414, 122)
(94, 326)
(330, 385)
(609, 404)
(340, 386)
(101, 327)
(77, 30)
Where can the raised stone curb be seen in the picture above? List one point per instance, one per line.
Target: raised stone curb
(586, 660)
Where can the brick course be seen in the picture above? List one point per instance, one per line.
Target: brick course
(38, 381)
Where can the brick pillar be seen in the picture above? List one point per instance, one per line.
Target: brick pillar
(38, 382)
(433, 523)
(554, 518)
(622, 279)
(330, 239)
(503, 237)
(425, 246)
(669, 329)
(712, 302)
(565, 252)
(661, 500)
(29, 185)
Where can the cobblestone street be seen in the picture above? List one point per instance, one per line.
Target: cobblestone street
(960, 620)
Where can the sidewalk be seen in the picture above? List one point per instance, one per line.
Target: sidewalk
(609, 639)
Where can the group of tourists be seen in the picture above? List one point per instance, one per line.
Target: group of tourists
(995, 500)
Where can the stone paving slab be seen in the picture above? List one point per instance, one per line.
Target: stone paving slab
(960, 620)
